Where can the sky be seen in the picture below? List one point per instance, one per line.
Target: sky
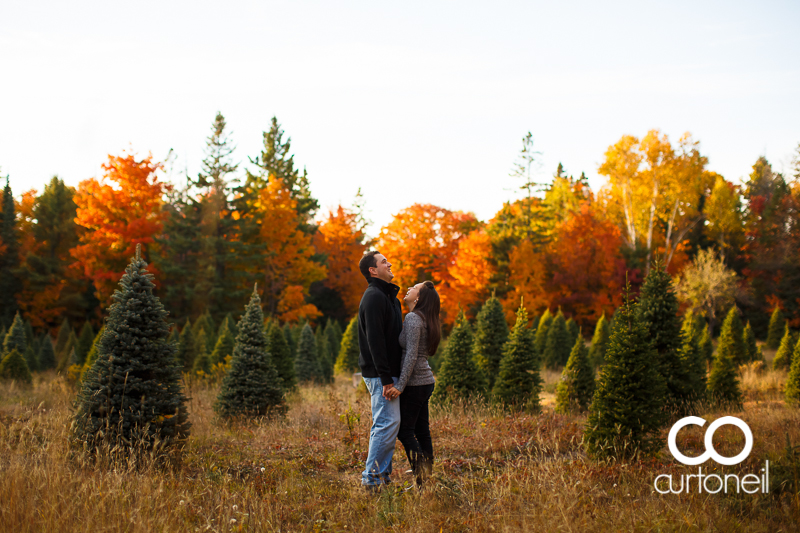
(413, 102)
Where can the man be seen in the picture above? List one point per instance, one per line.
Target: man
(380, 320)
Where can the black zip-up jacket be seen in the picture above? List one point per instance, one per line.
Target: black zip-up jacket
(380, 320)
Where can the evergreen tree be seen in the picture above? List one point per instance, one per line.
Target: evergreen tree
(202, 361)
(31, 360)
(174, 337)
(557, 348)
(792, 391)
(13, 367)
(574, 331)
(706, 346)
(131, 396)
(348, 350)
(47, 354)
(290, 338)
(252, 386)
(15, 338)
(29, 336)
(323, 355)
(627, 412)
(777, 329)
(65, 358)
(84, 344)
(575, 390)
(459, 376)
(187, 351)
(491, 334)
(693, 360)
(10, 279)
(281, 357)
(750, 346)
(306, 362)
(91, 357)
(731, 338)
(541, 332)
(518, 382)
(205, 322)
(334, 340)
(230, 323)
(224, 346)
(783, 357)
(62, 337)
(723, 381)
(597, 352)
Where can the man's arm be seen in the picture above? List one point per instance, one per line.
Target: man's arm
(374, 312)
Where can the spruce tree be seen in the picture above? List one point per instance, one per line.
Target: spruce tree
(251, 387)
(66, 356)
(541, 332)
(557, 348)
(224, 347)
(518, 382)
(62, 337)
(306, 362)
(597, 352)
(187, 351)
(13, 367)
(731, 337)
(288, 334)
(750, 346)
(706, 346)
(694, 361)
(723, 380)
(15, 338)
(459, 377)
(627, 412)
(206, 323)
(491, 334)
(84, 344)
(91, 357)
(202, 361)
(575, 389)
(792, 391)
(230, 323)
(574, 331)
(281, 357)
(10, 279)
(29, 336)
(131, 396)
(348, 350)
(334, 340)
(777, 329)
(324, 355)
(47, 354)
(31, 359)
(783, 357)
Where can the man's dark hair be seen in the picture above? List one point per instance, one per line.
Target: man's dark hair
(368, 261)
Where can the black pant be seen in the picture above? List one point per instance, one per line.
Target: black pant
(415, 432)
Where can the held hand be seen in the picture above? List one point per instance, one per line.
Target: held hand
(390, 392)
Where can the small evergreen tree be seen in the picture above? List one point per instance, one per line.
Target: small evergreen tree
(224, 347)
(29, 336)
(777, 329)
(694, 361)
(491, 334)
(706, 346)
(252, 386)
(131, 396)
(187, 351)
(13, 367)
(518, 382)
(290, 338)
(575, 389)
(230, 323)
(205, 322)
(31, 359)
(15, 338)
(306, 362)
(459, 376)
(334, 340)
(597, 352)
(723, 381)
(628, 406)
(47, 354)
(66, 357)
(62, 337)
(324, 355)
(792, 391)
(84, 343)
(202, 362)
(541, 332)
(750, 346)
(558, 347)
(281, 357)
(348, 349)
(783, 357)
(91, 357)
(731, 338)
(574, 331)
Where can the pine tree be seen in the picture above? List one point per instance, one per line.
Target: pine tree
(62, 337)
(205, 322)
(792, 391)
(750, 346)
(557, 348)
(230, 323)
(658, 307)
(575, 390)
(541, 332)
(66, 356)
(131, 396)
(29, 336)
(731, 338)
(518, 382)
(491, 334)
(10, 279)
(783, 357)
(187, 352)
(84, 344)
(13, 367)
(573, 331)
(348, 350)
(323, 355)
(91, 357)
(31, 360)
(251, 387)
(459, 376)
(693, 360)
(706, 346)
(626, 413)
(15, 338)
(47, 354)
(224, 347)
(290, 338)
(281, 357)
(597, 352)
(306, 362)
(334, 340)
(723, 381)
(202, 361)
(777, 329)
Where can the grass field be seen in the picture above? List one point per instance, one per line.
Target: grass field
(493, 472)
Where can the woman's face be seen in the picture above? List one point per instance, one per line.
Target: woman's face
(411, 296)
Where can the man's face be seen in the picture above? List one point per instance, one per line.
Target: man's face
(383, 270)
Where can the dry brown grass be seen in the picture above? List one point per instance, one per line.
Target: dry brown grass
(494, 472)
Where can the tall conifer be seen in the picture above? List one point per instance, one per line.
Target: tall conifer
(10, 279)
(459, 377)
(750, 346)
(597, 352)
(334, 339)
(706, 346)
(541, 332)
(777, 329)
(518, 382)
(281, 357)
(723, 380)
(558, 347)
(573, 331)
(491, 334)
(187, 351)
(15, 338)
(224, 346)
(348, 350)
(324, 355)
(47, 354)
(783, 357)
(575, 389)
(306, 362)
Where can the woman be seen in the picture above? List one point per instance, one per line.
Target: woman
(418, 339)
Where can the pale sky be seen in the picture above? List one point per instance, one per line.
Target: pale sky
(411, 101)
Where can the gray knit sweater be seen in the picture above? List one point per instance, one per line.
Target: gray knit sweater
(414, 342)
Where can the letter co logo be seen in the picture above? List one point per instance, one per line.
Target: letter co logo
(710, 452)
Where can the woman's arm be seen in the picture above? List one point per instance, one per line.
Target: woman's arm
(412, 328)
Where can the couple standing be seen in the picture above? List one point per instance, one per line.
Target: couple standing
(394, 364)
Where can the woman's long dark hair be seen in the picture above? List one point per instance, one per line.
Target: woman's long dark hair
(427, 307)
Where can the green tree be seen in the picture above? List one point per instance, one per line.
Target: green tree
(792, 391)
(783, 357)
(597, 352)
(777, 328)
(348, 349)
(31, 359)
(723, 380)
(67, 355)
(10, 279)
(731, 338)
(47, 355)
(84, 344)
(750, 346)
(627, 412)
(291, 340)
(281, 357)
(306, 362)
(187, 351)
(334, 339)
(573, 330)
(693, 360)
(230, 323)
(251, 387)
(518, 382)
(13, 367)
(15, 338)
(224, 346)
(62, 337)
(132, 396)
(575, 389)
(706, 346)
(541, 331)
(91, 357)
(324, 355)
(202, 361)
(558, 347)
(459, 376)
(491, 334)
(205, 322)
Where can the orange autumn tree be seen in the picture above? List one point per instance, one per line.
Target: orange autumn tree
(528, 279)
(587, 268)
(341, 239)
(421, 242)
(470, 275)
(119, 211)
(287, 268)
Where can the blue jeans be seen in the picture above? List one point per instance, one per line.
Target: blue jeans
(382, 435)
